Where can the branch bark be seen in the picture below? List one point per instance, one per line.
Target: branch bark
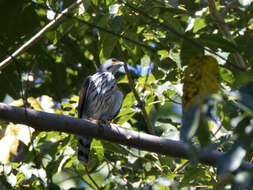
(224, 29)
(53, 122)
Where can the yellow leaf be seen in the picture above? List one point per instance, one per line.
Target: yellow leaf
(34, 103)
(17, 103)
(200, 77)
(8, 146)
(10, 142)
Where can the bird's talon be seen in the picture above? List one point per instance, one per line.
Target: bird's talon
(104, 123)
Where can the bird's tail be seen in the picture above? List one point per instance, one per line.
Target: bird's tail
(84, 149)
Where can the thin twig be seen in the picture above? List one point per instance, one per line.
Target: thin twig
(93, 181)
(139, 101)
(37, 36)
(141, 104)
(81, 176)
(220, 126)
(224, 29)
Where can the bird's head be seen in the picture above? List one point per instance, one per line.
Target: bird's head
(111, 65)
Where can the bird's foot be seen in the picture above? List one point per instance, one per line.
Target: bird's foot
(104, 122)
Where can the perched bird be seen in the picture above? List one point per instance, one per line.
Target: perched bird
(99, 101)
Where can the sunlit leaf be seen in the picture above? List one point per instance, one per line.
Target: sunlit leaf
(199, 23)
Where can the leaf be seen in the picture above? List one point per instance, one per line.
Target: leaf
(216, 41)
(190, 123)
(242, 78)
(200, 78)
(107, 45)
(199, 23)
(34, 103)
(113, 9)
(245, 95)
(245, 2)
(203, 131)
(163, 53)
(187, 52)
(196, 174)
(243, 179)
(231, 160)
(170, 131)
(111, 147)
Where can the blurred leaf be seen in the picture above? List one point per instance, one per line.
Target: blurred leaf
(187, 52)
(199, 23)
(245, 95)
(243, 179)
(245, 2)
(231, 160)
(203, 133)
(190, 123)
(242, 79)
(163, 53)
(107, 45)
(216, 41)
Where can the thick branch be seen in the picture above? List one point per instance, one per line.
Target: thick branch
(37, 36)
(52, 122)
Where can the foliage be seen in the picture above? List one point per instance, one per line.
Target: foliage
(158, 34)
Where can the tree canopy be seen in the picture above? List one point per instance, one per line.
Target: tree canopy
(187, 77)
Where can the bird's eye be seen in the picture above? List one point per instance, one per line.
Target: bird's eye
(114, 60)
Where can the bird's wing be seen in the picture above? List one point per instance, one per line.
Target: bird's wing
(118, 99)
(83, 97)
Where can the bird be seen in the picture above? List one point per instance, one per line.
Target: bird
(99, 101)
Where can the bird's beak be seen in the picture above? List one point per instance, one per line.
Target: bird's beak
(119, 63)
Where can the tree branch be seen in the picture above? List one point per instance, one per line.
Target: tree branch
(141, 104)
(224, 29)
(53, 122)
(139, 101)
(37, 36)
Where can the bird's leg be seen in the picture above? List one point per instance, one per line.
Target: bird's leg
(104, 121)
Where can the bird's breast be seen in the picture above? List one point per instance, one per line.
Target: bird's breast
(101, 88)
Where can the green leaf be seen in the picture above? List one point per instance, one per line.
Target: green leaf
(199, 23)
(163, 53)
(242, 78)
(216, 41)
(203, 133)
(107, 45)
(111, 147)
(188, 51)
